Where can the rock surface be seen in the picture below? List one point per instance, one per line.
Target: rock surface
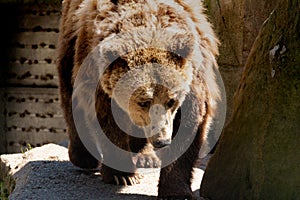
(46, 173)
(259, 150)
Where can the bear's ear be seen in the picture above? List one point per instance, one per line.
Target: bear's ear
(183, 49)
(113, 73)
(181, 44)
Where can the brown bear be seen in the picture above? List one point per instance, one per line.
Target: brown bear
(153, 63)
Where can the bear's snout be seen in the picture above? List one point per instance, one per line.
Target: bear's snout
(162, 138)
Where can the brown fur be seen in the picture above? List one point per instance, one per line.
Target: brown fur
(149, 31)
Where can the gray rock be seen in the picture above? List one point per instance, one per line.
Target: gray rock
(46, 173)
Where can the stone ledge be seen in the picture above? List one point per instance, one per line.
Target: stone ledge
(46, 173)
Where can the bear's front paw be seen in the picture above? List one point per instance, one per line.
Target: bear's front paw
(147, 161)
(121, 178)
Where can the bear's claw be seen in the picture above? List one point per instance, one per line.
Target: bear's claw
(127, 180)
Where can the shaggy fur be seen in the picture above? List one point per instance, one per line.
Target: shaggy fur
(131, 33)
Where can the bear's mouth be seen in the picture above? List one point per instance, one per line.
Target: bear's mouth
(161, 143)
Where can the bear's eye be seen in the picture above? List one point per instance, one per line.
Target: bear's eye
(144, 104)
(171, 103)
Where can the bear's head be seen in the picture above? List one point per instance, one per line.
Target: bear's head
(148, 75)
(151, 95)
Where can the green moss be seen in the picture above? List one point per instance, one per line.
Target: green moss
(3, 192)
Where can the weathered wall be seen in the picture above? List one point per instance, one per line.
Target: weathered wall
(30, 111)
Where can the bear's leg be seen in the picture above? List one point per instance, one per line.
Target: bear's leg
(118, 166)
(78, 154)
(175, 179)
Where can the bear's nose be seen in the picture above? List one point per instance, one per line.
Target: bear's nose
(161, 143)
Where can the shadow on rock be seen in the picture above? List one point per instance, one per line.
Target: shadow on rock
(61, 180)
